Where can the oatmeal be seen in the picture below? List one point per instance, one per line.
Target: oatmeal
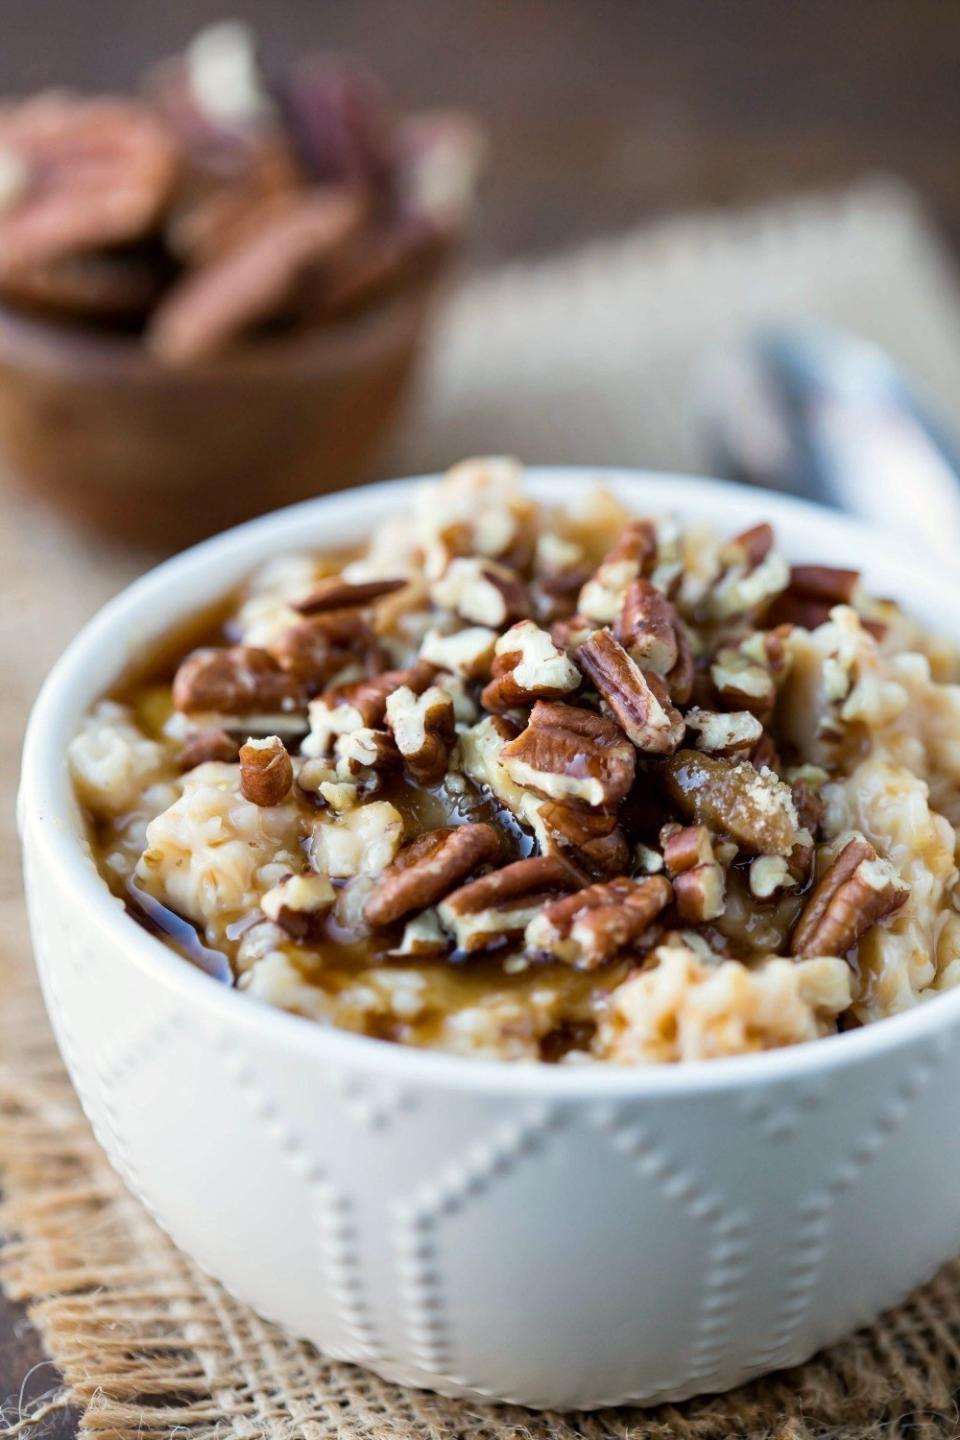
(538, 784)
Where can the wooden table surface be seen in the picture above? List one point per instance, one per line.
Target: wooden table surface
(599, 114)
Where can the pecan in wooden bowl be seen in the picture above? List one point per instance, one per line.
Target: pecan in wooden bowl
(582, 924)
(212, 295)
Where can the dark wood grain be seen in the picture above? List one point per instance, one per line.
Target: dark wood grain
(599, 114)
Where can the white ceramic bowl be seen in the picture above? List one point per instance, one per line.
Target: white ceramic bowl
(559, 1237)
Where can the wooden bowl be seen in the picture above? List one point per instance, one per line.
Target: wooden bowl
(153, 455)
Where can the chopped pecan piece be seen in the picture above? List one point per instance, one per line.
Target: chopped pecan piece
(569, 634)
(824, 583)
(499, 906)
(423, 728)
(750, 547)
(360, 704)
(317, 649)
(753, 807)
(640, 702)
(742, 684)
(366, 749)
(728, 732)
(208, 745)
(429, 868)
(753, 575)
(298, 902)
(566, 753)
(467, 653)
(339, 594)
(769, 876)
(634, 554)
(809, 805)
(637, 542)
(423, 938)
(594, 924)
(647, 627)
(481, 591)
(856, 891)
(239, 680)
(266, 771)
(527, 665)
(699, 882)
(592, 838)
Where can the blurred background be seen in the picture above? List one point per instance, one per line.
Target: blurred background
(599, 114)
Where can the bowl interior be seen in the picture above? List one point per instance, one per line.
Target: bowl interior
(192, 581)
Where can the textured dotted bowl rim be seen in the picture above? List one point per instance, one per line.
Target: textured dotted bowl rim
(49, 817)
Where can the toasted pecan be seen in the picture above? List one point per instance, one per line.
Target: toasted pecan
(638, 700)
(320, 646)
(528, 665)
(594, 924)
(336, 593)
(429, 868)
(208, 745)
(724, 732)
(266, 771)
(481, 591)
(423, 728)
(567, 753)
(647, 627)
(591, 838)
(499, 906)
(298, 902)
(236, 680)
(856, 891)
(95, 173)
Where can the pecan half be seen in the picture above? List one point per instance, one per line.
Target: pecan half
(93, 173)
(208, 745)
(339, 594)
(566, 753)
(639, 701)
(256, 278)
(481, 591)
(856, 891)
(591, 926)
(298, 902)
(429, 868)
(753, 807)
(527, 665)
(499, 906)
(266, 771)
(423, 728)
(238, 680)
(724, 732)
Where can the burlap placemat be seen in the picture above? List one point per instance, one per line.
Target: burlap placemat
(582, 358)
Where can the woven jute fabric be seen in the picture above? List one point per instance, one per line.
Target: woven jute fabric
(147, 1344)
